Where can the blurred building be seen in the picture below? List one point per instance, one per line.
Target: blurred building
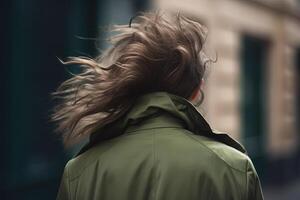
(252, 92)
(36, 34)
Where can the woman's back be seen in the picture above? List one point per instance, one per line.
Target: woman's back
(135, 103)
(162, 154)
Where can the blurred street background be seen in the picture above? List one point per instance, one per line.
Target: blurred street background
(252, 92)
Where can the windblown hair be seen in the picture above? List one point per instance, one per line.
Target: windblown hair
(156, 52)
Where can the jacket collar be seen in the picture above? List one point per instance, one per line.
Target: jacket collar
(150, 106)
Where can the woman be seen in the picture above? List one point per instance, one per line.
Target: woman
(136, 103)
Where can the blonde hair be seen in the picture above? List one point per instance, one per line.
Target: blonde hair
(156, 52)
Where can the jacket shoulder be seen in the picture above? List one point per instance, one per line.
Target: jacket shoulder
(232, 157)
(76, 165)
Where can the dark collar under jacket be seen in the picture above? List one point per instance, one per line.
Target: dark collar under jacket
(153, 105)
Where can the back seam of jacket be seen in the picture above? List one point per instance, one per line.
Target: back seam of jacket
(154, 162)
(90, 163)
(192, 137)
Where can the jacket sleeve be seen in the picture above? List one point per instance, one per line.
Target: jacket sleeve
(253, 186)
(64, 188)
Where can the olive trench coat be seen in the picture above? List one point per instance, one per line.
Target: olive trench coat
(161, 149)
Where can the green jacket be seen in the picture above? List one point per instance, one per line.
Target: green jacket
(162, 149)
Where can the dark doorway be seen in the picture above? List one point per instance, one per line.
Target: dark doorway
(254, 97)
